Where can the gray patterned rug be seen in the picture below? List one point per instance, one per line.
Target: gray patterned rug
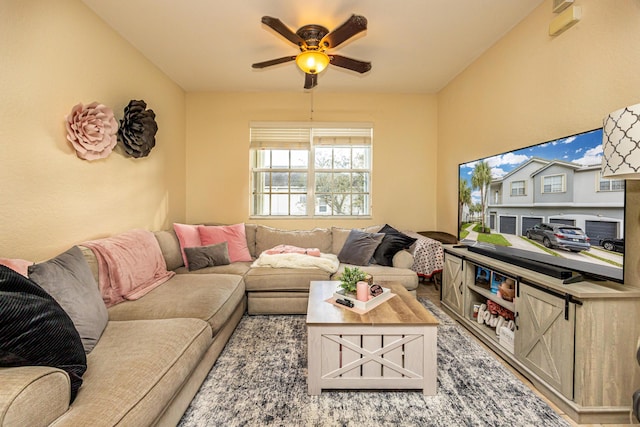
(260, 380)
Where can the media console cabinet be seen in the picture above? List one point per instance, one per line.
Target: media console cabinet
(575, 342)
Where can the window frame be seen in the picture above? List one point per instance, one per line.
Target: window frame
(563, 183)
(278, 170)
(523, 188)
(334, 135)
(611, 181)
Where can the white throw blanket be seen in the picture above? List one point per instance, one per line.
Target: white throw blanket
(326, 262)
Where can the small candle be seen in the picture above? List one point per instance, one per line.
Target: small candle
(362, 291)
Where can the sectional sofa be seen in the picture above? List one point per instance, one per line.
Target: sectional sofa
(156, 350)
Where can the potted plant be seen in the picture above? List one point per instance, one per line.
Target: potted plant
(349, 279)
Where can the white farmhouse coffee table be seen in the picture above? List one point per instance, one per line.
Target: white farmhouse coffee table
(393, 346)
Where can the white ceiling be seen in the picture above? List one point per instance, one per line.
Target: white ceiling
(415, 46)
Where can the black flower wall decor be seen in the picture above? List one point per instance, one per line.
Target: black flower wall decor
(138, 128)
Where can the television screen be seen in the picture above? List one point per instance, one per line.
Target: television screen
(548, 203)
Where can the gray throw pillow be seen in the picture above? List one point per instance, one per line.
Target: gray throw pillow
(359, 247)
(207, 256)
(68, 279)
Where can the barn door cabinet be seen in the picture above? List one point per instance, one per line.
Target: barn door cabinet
(452, 283)
(576, 343)
(545, 339)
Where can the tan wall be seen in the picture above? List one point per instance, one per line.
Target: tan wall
(404, 170)
(530, 88)
(56, 54)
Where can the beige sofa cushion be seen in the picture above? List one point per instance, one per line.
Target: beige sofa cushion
(90, 257)
(268, 237)
(403, 259)
(250, 231)
(277, 303)
(170, 247)
(282, 279)
(33, 395)
(240, 268)
(210, 297)
(135, 371)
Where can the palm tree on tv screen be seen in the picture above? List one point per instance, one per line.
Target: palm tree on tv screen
(480, 179)
(464, 198)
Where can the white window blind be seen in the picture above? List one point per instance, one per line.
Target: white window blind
(285, 138)
(310, 169)
(342, 136)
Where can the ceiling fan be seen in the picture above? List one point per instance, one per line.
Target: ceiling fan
(313, 41)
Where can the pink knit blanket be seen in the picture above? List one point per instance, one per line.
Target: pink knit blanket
(289, 249)
(129, 265)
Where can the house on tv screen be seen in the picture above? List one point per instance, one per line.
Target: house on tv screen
(556, 191)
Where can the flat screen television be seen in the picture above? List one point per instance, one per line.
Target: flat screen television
(546, 203)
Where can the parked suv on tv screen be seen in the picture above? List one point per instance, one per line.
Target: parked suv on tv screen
(559, 236)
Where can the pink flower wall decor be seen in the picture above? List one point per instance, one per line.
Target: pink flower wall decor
(92, 130)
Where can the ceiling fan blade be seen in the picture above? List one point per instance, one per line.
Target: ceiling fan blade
(354, 25)
(310, 81)
(273, 62)
(277, 25)
(350, 64)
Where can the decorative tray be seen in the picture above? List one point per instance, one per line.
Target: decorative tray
(362, 305)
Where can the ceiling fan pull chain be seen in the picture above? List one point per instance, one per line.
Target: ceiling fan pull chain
(311, 109)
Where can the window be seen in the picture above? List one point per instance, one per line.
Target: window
(605, 184)
(553, 184)
(517, 188)
(324, 170)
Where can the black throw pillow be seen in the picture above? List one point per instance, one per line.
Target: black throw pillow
(393, 242)
(36, 331)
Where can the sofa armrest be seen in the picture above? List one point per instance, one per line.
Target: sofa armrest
(403, 259)
(33, 395)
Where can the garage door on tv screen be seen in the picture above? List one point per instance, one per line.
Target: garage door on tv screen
(550, 201)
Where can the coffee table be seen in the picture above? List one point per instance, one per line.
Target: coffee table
(393, 346)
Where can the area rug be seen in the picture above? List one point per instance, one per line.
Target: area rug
(260, 379)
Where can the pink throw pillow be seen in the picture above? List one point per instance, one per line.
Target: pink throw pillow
(234, 235)
(16, 264)
(188, 236)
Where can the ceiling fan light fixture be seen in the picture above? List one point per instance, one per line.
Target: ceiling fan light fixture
(312, 61)
(313, 40)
